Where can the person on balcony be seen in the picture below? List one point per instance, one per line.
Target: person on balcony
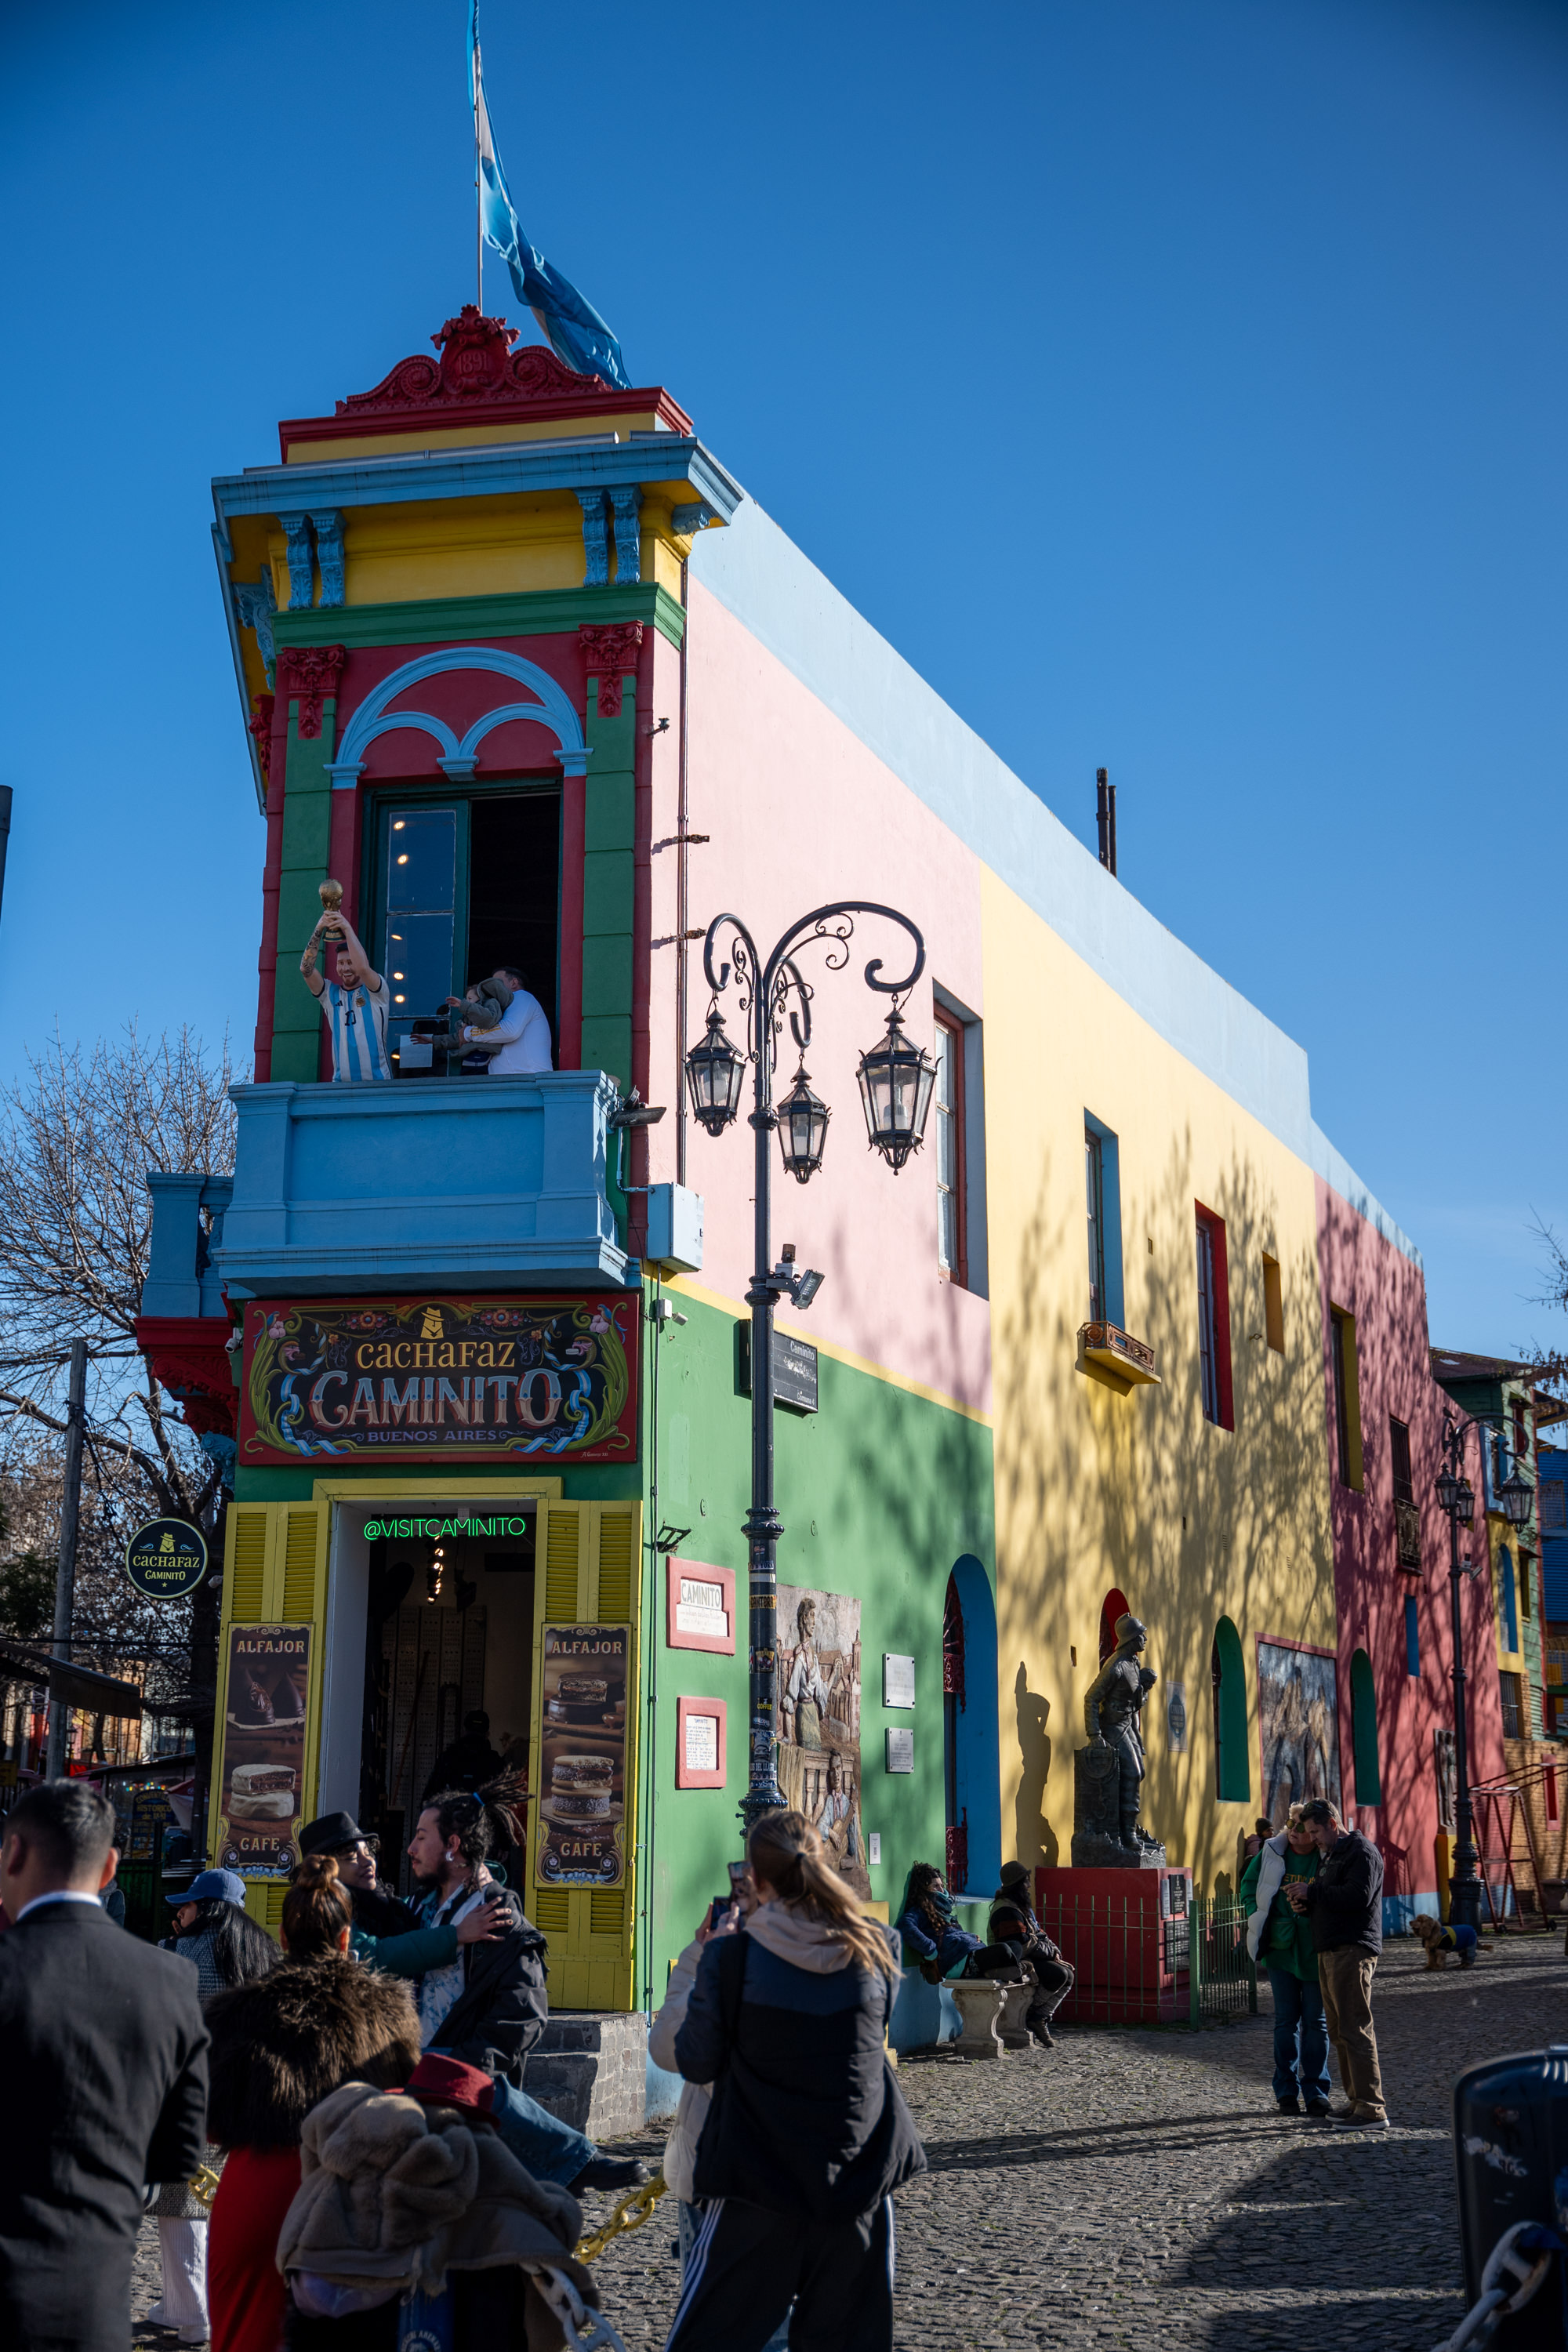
(357, 1002)
(519, 1041)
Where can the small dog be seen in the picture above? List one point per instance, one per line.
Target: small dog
(1440, 1941)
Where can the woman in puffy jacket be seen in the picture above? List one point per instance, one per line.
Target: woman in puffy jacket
(279, 2047)
(806, 2135)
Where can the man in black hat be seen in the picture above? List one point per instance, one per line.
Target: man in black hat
(1013, 1922)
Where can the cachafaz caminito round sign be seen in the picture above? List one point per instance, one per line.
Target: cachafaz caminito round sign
(166, 1560)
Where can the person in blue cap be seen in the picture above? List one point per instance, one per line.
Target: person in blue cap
(213, 1930)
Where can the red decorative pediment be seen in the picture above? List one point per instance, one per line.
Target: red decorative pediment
(477, 365)
(479, 375)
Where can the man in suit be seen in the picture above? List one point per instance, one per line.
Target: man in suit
(105, 2072)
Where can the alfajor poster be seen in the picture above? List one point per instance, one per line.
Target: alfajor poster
(262, 1790)
(583, 1756)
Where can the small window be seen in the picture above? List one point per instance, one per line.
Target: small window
(1520, 1436)
(1549, 1783)
(1399, 1457)
(1524, 1583)
(1094, 1178)
(1214, 1322)
(1233, 1768)
(1553, 1503)
(1273, 1306)
(1412, 1639)
(948, 1105)
(1347, 1413)
(1511, 1687)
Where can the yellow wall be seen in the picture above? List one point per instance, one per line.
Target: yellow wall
(1097, 1489)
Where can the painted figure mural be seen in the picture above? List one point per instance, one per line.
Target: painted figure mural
(819, 1718)
(1298, 1726)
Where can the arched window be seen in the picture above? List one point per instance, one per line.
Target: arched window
(972, 1778)
(1116, 1604)
(1233, 1771)
(1363, 1731)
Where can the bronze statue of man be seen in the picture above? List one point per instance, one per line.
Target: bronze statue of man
(1111, 1713)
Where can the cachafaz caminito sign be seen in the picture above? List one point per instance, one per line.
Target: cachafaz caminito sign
(374, 1379)
(166, 1560)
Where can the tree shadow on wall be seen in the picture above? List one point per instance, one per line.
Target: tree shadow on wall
(1034, 1834)
(1099, 1490)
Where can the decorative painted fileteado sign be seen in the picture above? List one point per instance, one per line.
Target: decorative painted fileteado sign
(420, 1378)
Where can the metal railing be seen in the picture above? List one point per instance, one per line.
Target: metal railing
(1224, 1982)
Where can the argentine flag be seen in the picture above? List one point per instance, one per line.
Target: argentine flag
(577, 334)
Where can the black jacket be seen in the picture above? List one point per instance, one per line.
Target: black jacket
(1344, 1902)
(805, 2117)
(379, 1912)
(105, 2072)
(285, 2041)
(503, 2007)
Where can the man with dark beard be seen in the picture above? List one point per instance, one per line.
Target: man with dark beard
(488, 2006)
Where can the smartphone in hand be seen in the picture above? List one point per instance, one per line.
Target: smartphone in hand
(719, 1911)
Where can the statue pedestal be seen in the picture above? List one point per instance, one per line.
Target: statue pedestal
(979, 2003)
(1125, 1931)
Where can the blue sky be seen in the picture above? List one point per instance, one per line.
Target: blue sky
(1179, 385)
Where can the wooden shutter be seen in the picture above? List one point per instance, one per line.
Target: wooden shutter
(275, 1573)
(592, 1576)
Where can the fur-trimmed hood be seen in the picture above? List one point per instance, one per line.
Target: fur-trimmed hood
(286, 2042)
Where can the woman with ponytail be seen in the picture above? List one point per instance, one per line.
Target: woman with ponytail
(279, 2045)
(806, 2135)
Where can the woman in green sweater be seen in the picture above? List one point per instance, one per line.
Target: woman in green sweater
(1281, 1941)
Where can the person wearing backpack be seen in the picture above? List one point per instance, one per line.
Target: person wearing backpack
(806, 2135)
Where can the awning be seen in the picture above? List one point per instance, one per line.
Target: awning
(77, 1685)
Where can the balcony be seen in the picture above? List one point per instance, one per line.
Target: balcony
(421, 1185)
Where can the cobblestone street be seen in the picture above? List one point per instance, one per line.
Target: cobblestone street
(1141, 2188)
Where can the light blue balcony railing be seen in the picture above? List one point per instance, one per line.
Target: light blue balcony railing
(421, 1184)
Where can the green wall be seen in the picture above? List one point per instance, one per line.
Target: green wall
(880, 1492)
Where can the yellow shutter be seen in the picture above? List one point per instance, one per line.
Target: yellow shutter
(275, 1573)
(592, 1576)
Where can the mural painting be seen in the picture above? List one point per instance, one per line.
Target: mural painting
(818, 1710)
(1297, 1715)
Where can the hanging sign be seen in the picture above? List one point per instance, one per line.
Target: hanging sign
(795, 1369)
(261, 1781)
(377, 1380)
(166, 1560)
(583, 1755)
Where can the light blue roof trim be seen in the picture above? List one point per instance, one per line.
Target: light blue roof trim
(784, 600)
(1337, 1171)
(507, 469)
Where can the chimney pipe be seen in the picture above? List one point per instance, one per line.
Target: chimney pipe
(1106, 812)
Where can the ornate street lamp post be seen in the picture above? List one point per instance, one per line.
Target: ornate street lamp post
(1457, 1497)
(895, 1079)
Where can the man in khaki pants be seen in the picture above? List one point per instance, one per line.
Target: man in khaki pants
(1344, 1903)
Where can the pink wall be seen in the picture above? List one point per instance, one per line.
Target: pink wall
(1368, 1278)
(801, 813)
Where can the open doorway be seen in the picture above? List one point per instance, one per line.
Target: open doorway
(433, 1620)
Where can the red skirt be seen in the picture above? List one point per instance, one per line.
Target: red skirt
(245, 2294)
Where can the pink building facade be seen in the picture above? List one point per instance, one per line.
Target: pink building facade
(1393, 1605)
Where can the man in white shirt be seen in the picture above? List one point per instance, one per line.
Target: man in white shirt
(521, 1038)
(357, 1004)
